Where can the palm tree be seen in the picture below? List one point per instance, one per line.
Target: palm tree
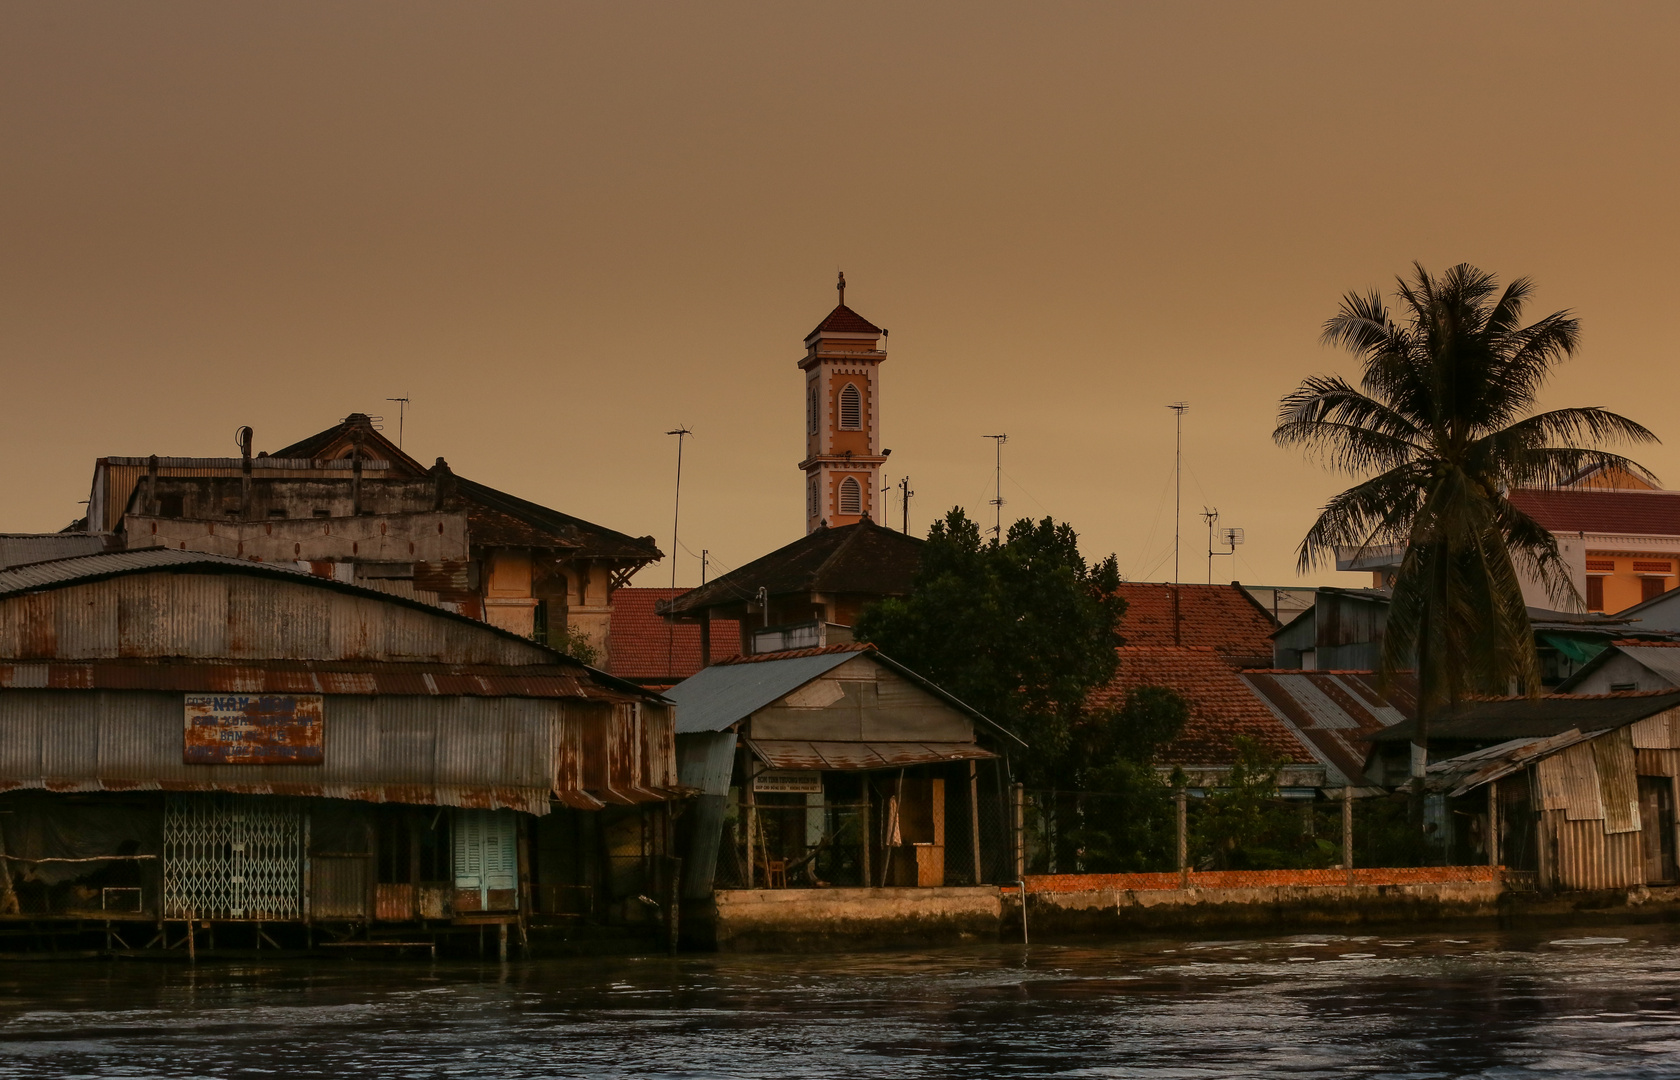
(1443, 420)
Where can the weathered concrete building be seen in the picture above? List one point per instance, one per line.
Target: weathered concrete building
(348, 503)
(205, 739)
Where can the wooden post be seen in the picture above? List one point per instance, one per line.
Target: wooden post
(1183, 799)
(863, 827)
(192, 935)
(1347, 832)
(1493, 824)
(974, 816)
(501, 941)
(752, 820)
(1021, 835)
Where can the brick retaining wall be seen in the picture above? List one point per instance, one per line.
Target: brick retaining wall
(1253, 879)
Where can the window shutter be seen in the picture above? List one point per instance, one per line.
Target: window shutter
(851, 497)
(851, 408)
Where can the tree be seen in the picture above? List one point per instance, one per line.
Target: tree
(1023, 631)
(1443, 419)
(1130, 825)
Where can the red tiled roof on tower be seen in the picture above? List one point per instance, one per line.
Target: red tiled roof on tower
(1222, 707)
(843, 320)
(646, 648)
(1601, 510)
(1224, 618)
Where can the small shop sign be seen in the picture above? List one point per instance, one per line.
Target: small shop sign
(253, 729)
(789, 782)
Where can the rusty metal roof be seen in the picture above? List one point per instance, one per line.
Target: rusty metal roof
(1334, 714)
(309, 677)
(856, 756)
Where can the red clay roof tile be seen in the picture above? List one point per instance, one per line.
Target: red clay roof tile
(1637, 513)
(1221, 617)
(645, 646)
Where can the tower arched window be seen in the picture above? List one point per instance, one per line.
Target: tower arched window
(851, 496)
(851, 408)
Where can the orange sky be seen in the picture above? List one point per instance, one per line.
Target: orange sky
(564, 229)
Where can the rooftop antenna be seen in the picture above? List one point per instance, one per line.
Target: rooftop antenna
(1178, 407)
(681, 433)
(997, 497)
(1229, 537)
(402, 407)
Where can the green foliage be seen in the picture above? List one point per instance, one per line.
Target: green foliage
(574, 643)
(1122, 819)
(1441, 428)
(1244, 826)
(1023, 631)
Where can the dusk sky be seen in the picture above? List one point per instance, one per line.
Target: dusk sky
(565, 229)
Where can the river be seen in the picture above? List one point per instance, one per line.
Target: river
(1603, 1002)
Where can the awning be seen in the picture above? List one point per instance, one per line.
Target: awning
(857, 756)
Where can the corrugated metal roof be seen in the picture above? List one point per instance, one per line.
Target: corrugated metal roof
(307, 677)
(726, 694)
(18, 549)
(66, 571)
(854, 756)
(1333, 713)
(1499, 719)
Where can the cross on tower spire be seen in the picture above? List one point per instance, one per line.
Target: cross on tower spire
(841, 286)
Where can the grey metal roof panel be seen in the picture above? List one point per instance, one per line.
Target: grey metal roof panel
(1663, 661)
(18, 549)
(63, 571)
(725, 694)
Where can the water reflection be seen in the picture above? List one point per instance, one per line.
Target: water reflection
(1489, 1004)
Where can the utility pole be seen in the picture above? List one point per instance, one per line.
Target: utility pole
(402, 406)
(1178, 407)
(904, 487)
(703, 553)
(676, 515)
(997, 499)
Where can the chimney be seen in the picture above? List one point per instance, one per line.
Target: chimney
(356, 470)
(443, 484)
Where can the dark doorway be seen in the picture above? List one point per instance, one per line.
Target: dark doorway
(1656, 821)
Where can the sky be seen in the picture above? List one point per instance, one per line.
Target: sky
(563, 230)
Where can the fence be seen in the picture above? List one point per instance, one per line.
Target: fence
(1158, 830)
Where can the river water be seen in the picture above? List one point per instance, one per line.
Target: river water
(1603, 1002)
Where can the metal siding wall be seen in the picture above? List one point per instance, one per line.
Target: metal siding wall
(1582, 796)
(451, 751)
(1618, 785)
(1587, 858)
(233, 615)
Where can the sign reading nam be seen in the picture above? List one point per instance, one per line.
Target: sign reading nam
(253, 729)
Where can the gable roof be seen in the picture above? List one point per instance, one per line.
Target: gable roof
(862, 558)
(1224, 618)
(336, 440)
(1333, 713)
(1501, 719)
(1222, 706)
(646, 647)
(843, 320)
(495, 518)
(1662, 660)
(1601, 510)
(725, 694)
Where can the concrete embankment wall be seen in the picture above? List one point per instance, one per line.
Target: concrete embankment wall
(799, 920)
(1160, 903)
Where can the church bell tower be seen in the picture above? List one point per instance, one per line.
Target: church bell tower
(843, 454)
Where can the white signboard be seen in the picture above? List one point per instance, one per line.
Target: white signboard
(788, 782)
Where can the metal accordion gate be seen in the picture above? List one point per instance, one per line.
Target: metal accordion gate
(232, 857)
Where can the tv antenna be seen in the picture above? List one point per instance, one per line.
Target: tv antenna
(1229, 537)
(681, 433)
(997, 497)
(402, 407)
(1178, 407)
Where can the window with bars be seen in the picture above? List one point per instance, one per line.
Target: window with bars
(851, 408)
(851, 496)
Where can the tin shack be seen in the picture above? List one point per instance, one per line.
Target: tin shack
(838, 766)
(200, 749)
